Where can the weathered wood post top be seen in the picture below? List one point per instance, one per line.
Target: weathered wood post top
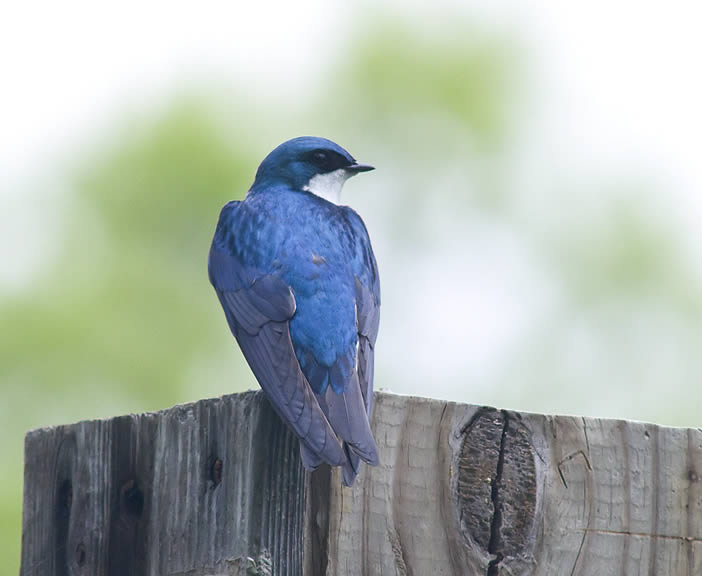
(217, 488)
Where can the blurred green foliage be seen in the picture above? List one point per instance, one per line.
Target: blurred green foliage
(123, 316)
(127, 302)
(124, 319)
(399, 78)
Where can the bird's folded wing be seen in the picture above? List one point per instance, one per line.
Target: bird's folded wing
(258, 310)
(367, 322)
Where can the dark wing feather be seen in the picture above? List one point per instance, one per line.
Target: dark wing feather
(367, 322)
(258, 310)
(348, 416)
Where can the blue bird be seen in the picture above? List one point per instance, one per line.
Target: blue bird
(297, 279)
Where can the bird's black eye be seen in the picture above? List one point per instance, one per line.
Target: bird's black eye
(327, 160)
(321, 157)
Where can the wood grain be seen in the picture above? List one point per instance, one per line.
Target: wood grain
(469, 490)
(217, 488)
(209, 488)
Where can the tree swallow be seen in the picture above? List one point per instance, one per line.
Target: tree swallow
(297, 279)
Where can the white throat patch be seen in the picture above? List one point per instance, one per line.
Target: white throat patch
(329, 185)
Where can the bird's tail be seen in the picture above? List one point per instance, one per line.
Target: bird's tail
(352, 466)
(349, 419)
(350, 469)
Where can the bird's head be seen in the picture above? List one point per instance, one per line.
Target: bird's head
(316, 165)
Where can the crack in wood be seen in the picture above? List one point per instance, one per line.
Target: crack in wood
(580, 550)
(317, 525)
(690, 495)
(568, 459)
(655, 471)
(477, 467)
(398, 552)
(586, 459)
(495, 544)
(587, 440)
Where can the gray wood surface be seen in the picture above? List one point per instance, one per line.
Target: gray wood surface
(216, 488)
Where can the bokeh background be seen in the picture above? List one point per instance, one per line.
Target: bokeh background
(535, 212)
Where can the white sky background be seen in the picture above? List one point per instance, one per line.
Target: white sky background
(617, 85)
(628, 70)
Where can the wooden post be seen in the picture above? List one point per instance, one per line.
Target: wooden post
(216, 488)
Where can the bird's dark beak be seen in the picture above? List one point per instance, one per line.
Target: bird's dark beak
(356, 168)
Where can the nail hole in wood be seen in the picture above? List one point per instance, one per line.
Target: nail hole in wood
(132, 499)
(80, 554)
(216, 471)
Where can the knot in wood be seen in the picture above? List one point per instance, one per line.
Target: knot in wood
(496, 488)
